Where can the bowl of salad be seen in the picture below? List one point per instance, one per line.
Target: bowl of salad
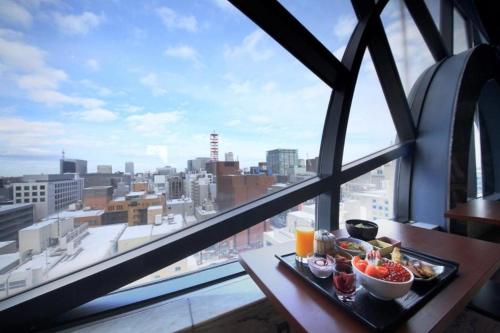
(353, 246)
(382, 278)
(362, 229)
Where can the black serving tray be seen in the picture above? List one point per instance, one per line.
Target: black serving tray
(377, 314)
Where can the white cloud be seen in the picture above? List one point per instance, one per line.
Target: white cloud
(15, 14)
(10, 34)
(159, 151)
(269, 86)
(261, 120)
(20, 136)
(93, 64)
(151, 81)
(98, 115)
(225, 6)
(249, 48)
(172, 20)
(27, 65)
(184, 52)
(153, 123)
(345, 26)
(44, 78)
(240, 87)
(77, 24)
(100, 90)
(129, 108)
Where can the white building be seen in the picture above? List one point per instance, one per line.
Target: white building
(183, 206)
(39, 236)
(229, 157)
(129, 168)
(49, 193)
(104, 169)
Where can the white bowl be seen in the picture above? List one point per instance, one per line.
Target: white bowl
(384, 290)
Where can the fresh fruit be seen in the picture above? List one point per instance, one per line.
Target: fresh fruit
(375, 271)
(360, 263)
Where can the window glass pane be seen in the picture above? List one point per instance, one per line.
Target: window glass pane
(408, 47)
(139, 91)
(459, 33)
(331, 21)
(434, 7)
(369, 197)
(370, 127)
(478, 156)
(274, 231)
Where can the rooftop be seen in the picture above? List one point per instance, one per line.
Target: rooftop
(6, 208)
(75, 213)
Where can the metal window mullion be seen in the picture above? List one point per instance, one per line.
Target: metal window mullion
(425, 24)
(86, 284)
(274, 19)
(359, 167)
(333, 139)
(446, 24)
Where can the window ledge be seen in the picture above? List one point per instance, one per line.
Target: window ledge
(215, 304)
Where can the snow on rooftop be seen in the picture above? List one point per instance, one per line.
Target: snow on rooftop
(136, 194)
(6, 208)
(39, 225)
(8, 259)
(98, 245)
(137, 231)
(179, 201)
(152, 196)
(155, 207)
(75, 214)
(167, 228)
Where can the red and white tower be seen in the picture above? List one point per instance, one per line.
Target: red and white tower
(214, 146)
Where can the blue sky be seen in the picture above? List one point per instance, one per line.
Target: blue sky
(148, 81)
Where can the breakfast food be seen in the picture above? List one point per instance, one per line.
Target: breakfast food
(420, 269)
(361, 225)
(382, 269)
(324, 243)
(351, 246)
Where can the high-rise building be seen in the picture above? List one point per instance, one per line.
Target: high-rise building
(198, 164)
(312, 164)
(14, 218)
(49, 193)
(133, 208)
(72, 166)
(214, 146)
(107, 179)
(229, 157)
(97, 197)
(166, 170)
(280, 160)
(233, 190)
(104, 169)
(129, 168)
(175, 187)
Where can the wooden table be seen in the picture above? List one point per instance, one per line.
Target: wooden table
(478, 210)
(307, 310)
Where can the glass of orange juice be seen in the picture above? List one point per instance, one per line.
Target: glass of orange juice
(304, 243)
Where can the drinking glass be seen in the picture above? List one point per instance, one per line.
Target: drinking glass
(304, 243)
(344, 280)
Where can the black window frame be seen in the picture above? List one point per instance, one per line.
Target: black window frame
(35, 306)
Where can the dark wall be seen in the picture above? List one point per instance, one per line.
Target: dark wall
(489, 122)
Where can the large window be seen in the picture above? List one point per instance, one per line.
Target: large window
(162, 131)
(370, 196)
(210, 110)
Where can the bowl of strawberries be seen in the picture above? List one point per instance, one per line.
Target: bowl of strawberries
(382, 278)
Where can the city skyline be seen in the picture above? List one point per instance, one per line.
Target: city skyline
(180, 71)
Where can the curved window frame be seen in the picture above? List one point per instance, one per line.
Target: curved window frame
(42, 303)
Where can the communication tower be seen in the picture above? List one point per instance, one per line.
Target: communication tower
(214, 146)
